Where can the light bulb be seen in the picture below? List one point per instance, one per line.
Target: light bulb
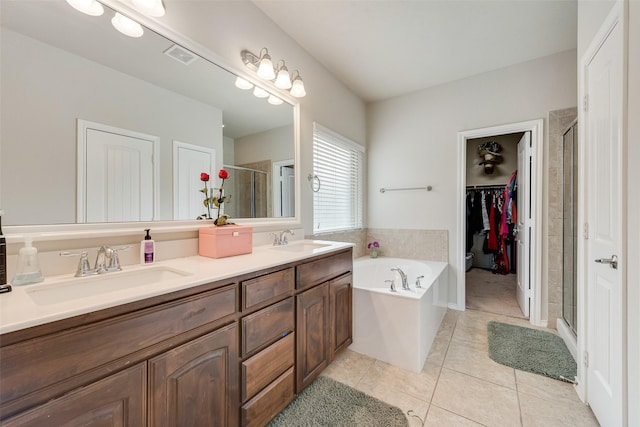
(243, 84)
(153, 8)
(260, 93)
(127, 26)
(283, 81)
(274, 100)
(90, 7)
(265, 69)
(297, 88)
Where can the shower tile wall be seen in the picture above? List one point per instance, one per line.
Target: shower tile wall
(559, 120)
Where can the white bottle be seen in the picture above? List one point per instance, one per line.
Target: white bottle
(28, 270)
(147, 249)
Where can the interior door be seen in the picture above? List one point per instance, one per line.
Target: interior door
(288, 190)
(523, 238)
(605, 285)
(119, 177)
(189, 161)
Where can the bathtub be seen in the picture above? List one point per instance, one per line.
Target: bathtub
(397, 327)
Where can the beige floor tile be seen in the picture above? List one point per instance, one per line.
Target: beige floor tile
(471, 334)
(349, 367)
(439, 347)
(545, 387)
(418, 385)
(438, 417)
(392, 396)
(538, 412)
(475, 399)
(466, 359)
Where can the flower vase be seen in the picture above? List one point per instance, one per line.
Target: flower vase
(373, 253)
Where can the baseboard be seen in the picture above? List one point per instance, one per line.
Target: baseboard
(568, 337)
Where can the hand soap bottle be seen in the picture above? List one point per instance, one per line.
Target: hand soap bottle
(28, 270)
(147, 249)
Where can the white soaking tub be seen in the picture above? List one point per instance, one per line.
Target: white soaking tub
(397, 327)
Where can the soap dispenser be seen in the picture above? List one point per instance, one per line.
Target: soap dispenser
(147, 249)
(28, 270)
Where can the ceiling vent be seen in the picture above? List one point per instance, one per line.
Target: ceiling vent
(181, 54)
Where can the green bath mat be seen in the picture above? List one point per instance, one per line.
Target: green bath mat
(531, 350)
(332, 404)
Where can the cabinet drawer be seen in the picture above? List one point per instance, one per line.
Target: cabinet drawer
(321, 270)
(267, 325)
(269, 402)
(266, 289)
(264, 367)
(70, 353)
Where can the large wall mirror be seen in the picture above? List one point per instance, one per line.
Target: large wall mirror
(82, 104)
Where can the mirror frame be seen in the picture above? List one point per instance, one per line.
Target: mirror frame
(51, 232)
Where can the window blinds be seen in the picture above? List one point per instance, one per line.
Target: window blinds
(338, 163)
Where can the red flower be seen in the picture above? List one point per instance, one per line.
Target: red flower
(223, 174)
(204, 177)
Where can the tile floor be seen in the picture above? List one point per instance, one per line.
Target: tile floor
(461, 386)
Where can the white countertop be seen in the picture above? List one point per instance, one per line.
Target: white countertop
(19, 309)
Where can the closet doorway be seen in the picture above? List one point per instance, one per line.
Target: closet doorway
(499, 219)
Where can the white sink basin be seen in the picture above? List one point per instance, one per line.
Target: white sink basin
(83, 287)
(301, 247)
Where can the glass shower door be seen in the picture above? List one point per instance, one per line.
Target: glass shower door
(569, 226)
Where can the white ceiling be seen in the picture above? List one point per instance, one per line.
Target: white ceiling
(385, 48)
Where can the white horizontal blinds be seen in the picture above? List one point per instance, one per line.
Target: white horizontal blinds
(338, 164)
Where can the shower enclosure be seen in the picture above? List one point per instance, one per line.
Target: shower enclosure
(569, 226)
(250, 192)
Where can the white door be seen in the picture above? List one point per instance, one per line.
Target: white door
(605, 308)
(119, 177)
(288, 188)
(525, 221)
(189, 161)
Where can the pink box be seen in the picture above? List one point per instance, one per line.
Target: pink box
(225, 241)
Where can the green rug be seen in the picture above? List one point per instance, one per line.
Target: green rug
(329, 403)
(531, 350)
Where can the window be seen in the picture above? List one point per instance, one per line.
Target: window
(338, 164)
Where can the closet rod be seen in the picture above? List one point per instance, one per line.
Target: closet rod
(486, 186)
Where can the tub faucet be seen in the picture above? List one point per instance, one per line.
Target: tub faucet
(403, 276)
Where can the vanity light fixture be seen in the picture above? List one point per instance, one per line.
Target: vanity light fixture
(260, 93)
(90, 7)
(274, 100)
(127, 26)
(297, 86)
(153, 8)
(280, 76)
(243, 84)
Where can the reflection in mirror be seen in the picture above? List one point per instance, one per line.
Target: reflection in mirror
(67, 76)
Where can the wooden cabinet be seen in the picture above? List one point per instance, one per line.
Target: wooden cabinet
(340, 314)
(312, 311)
(196, 384)
(118, 400)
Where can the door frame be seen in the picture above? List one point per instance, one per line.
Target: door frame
(617, 16)
(276, 190)
(537, 138)
(82, 127)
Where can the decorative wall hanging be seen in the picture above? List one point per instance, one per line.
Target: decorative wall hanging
(490, 155)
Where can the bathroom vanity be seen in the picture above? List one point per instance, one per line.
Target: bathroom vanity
(226, 345)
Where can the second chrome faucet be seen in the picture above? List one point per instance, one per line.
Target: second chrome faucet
(403, 277)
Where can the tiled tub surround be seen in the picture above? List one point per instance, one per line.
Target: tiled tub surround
(429, 245)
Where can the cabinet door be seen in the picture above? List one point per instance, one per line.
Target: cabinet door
(341, 314)
(312, 310)
(116, 401)
(196, 384)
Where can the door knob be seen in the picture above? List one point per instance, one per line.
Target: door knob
(613, 261)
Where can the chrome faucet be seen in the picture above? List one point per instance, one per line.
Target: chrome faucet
(403, 276)
(106, 261)
(280, 239)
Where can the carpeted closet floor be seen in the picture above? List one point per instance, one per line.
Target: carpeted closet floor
(492, 293)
